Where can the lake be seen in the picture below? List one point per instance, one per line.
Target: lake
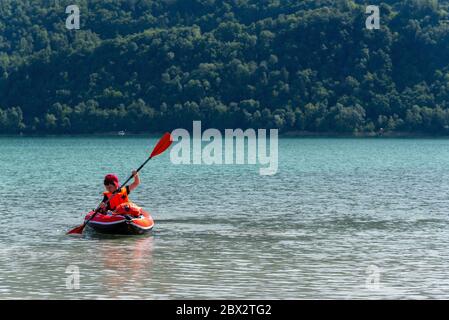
(342, 218)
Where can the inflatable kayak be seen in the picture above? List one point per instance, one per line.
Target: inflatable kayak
(121, 223)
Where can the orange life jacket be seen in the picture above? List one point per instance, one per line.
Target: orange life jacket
(118, 198)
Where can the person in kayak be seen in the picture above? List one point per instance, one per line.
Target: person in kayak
(111, 185)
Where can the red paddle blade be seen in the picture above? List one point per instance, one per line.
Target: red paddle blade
(77, 230)
(162, 145)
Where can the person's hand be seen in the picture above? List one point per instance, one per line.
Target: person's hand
(103, 205)
(134, 173)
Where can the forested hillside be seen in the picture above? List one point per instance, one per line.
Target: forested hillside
(152, 65)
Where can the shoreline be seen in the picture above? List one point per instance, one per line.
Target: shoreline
(288, 134)
(372, 135)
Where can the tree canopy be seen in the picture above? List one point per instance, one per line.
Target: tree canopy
(153, 65)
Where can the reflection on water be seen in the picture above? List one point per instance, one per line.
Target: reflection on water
(337, 210)
(122, 265)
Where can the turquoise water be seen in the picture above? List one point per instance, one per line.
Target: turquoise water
(338, 214)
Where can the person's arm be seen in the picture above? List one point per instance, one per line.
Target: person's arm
(136, 182)
(103, 206)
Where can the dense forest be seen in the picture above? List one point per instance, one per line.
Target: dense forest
(153, 65)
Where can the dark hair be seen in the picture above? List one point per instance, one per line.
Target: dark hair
(108, 182)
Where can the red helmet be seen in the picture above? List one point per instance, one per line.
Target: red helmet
(111, 179)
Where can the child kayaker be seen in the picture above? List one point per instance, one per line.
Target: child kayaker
(111, 185)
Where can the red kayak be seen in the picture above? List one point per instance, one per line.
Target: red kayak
(121, 223)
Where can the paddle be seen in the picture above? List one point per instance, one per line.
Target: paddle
(160, 147)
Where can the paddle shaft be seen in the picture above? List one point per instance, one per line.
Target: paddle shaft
(116, 191)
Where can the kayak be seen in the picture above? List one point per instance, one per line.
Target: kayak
(123, 224)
